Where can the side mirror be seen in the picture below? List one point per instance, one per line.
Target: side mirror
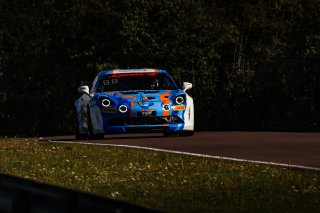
(186, 86)
(83, 90)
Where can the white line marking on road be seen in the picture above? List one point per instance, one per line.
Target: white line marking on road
(193, 154)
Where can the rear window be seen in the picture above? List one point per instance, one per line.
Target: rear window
(135, 81)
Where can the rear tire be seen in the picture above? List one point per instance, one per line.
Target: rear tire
(90, 130)
(77, 134)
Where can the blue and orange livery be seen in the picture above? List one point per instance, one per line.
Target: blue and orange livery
(134, 100)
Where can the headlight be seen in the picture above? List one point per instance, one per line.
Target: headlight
(106, 102)
(123, 108)
(166, 107)
(179, 99)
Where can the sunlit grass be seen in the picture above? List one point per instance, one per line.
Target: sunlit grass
(163, 181)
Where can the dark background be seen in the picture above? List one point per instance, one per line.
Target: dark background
(254, 65)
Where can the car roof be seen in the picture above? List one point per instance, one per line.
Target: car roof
(123, 71)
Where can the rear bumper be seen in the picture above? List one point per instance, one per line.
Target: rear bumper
(145, 121)
(144, 124)
(138, 128)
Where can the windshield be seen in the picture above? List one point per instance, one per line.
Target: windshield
(135, 81)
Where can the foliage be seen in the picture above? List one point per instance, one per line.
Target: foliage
(253, 64)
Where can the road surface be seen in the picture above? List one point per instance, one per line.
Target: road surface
(278, 147)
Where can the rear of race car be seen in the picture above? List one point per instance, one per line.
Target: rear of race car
(137, 101)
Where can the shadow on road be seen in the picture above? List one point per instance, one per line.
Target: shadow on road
(106, 137)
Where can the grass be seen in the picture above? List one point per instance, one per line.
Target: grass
(163, 181)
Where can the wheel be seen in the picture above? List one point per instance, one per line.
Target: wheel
(186, 133)
(90, 130)
(77, 134)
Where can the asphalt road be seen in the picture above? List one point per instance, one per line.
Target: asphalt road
(278, 147)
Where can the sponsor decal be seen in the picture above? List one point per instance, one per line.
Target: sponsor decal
(133, 71)
(180, 107)
(147, 112)
(109, 110)
(145, 99)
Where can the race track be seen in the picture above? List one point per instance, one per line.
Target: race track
(301, 149)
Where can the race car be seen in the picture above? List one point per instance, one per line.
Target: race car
(133, 100)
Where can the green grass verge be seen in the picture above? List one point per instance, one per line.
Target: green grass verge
(163, 181)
